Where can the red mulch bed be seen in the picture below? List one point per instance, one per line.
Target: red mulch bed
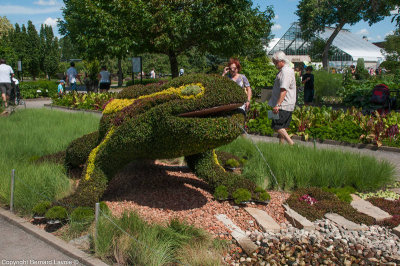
(161, 192)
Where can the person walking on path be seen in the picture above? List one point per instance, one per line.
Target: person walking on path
(6, 73)
(283, 97)
(72, 76)
(234, 68)
(308, 81)
(104, 77)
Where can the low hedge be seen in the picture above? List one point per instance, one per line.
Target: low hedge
(327, 202)
(78, 150)
(36, 89)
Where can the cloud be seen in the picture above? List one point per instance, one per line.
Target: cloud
(389, 33)
(272, 43)
(51, 22)
(378, 37)
(276, 27)
(21, 10)
(46, 3)
(363, 32)
(276, 17)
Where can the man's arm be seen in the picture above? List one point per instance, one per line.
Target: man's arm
(282, 96)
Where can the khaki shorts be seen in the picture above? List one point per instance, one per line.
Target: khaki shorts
(5, 88)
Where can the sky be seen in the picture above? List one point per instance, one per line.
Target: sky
(48, 11)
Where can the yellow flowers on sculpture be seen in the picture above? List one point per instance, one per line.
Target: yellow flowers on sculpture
(188, 91)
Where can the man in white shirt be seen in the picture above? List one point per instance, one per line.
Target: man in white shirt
(72, 76)
(6, 73)
(283, 99)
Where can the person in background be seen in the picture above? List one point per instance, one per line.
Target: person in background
(60, 89)
(181, 72)
(6, 73)
(308, 81)
(72, 76)
(234, 68)
(152, 74)
(105, 81)
(283, 97)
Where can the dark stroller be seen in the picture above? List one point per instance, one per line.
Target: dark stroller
(15, 94)
(381, 99)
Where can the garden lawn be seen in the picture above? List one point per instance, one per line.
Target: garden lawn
(301, 166)
(25, 136)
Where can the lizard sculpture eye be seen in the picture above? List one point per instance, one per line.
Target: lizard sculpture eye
(192, 89)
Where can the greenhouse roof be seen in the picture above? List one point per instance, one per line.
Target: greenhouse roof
(353, 45)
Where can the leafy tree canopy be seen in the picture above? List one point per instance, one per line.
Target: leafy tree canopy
(5, 26)
(170, 27)
(315, 15)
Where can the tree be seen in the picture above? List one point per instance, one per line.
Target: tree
(392, 46)
(171, 27)
(32, 57)
(315, 15)
(317, 49)
(5, 27)
(49, 51)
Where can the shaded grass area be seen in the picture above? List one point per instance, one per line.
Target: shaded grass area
(301, 166)
(177, 243)
(27, 135)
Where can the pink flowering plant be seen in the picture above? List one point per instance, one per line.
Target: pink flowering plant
(307, 198)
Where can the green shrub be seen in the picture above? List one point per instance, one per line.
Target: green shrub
(342, 193)
(261, 194)
(78, 150)
(326, 84)
(232, 163)
(221, 193)
(35, 89)
(144, 81)
(41, 208)
(56, 213)
(241, 195)
(260, 72)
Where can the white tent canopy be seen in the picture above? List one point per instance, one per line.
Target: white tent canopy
(353, 45)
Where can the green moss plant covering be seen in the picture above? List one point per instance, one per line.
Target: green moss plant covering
(241, 195)
(41, 208)
(326, 202)
(56, 213)
(342, 193)
(188, 116)
(221, 193)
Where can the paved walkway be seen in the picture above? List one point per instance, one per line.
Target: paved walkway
(17, 245)
(392, 157)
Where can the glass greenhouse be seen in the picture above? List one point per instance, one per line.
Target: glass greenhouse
(350, 47)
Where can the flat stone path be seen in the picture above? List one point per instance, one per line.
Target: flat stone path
(263, 219)
(392, 157)
(343, 222)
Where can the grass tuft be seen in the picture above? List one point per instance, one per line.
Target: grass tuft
(301, 166)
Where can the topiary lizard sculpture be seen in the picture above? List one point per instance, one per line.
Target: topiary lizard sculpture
(188, 116)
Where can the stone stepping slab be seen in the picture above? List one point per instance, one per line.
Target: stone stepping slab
(263, 219)
(298, 220)
(396, 230)
(238, 234)
(343, 222)
(367, 208)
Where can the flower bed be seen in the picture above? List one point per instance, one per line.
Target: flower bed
(324, 123)
(324, 202)
(390, 206)
(90, 101)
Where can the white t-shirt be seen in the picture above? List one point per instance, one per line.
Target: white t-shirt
(5, 73)
(105, 76)
(284, 79)
(72, 73)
